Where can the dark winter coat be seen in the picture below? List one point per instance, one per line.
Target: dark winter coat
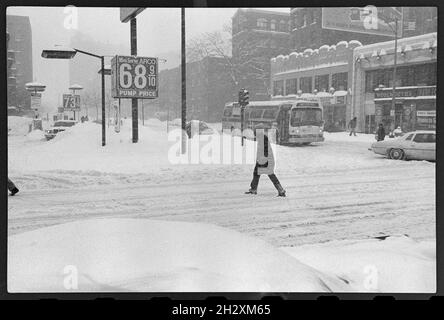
(264, 156)
(380, 134)
(352, 124)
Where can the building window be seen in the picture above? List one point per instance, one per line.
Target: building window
(425, 74)
(273, 25)
(278, 88)
(262, 23)
(416, 75)
(321, 83)
(283, 26)
(291, 86)
(339, 81)
(306, 84)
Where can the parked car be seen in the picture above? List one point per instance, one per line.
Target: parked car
(203, 128)
(417, 145)
(58, 126)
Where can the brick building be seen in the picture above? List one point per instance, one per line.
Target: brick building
(307, 31)
(257, 36)
(20, 60)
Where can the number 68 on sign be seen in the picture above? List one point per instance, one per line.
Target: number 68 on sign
(134, 77)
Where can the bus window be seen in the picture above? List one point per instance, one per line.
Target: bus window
(236, 112)
(256, 113)
(300, 116)
(271, 113)
(307, 104)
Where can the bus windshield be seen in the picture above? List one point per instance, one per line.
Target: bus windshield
(305, 116)
(227, 111)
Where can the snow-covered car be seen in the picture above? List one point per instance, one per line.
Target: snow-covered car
(203, 128)
(417, 145)
(58, 126)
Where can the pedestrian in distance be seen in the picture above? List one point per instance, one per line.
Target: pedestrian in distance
(12, 188)
(380, 134)
(264, 164)
(352, 126)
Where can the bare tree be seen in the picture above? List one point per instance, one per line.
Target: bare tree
(248, 61)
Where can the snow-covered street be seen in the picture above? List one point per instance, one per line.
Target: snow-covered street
(337, 190)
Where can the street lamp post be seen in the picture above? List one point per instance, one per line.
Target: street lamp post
(387, 20)
(393, 108)
(69, 54)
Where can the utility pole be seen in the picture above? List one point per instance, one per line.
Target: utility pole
(393, 108)
(103, 101)
(184, 88)
(134, 102)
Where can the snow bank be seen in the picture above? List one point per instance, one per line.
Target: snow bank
(345, 136)
(396, 264)
(36, 135)
(18, 126)
(149, 255)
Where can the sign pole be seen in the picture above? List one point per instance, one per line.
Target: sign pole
(103, 102)
(134, 106)
(242, 124)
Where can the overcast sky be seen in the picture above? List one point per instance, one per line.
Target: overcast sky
(158, 32)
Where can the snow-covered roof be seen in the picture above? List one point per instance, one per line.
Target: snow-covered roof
(340, 93)
(410, 41)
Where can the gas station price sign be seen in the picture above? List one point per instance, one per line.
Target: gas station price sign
(134, 77)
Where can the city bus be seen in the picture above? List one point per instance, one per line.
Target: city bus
(231, 116)
(295, 121)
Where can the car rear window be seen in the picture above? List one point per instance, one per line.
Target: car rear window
(425, 138)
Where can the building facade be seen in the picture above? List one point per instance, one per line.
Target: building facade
(19, 60)
(323, 74)
(415, 85)
(419, 20)
(307, 31)
(257, 36)
(209, 88)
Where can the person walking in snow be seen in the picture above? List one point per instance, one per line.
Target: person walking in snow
(12, 188)
(380, 134)
(352, 126)
(264, 164)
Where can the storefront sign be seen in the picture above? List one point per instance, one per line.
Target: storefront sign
(426, 91)
(406, 92)
(400, 93)
(427, 113)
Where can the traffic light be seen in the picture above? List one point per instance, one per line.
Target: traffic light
(244, 97)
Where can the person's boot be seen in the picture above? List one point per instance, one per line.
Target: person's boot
(14, 191)
(251, 191)
(281, 191)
